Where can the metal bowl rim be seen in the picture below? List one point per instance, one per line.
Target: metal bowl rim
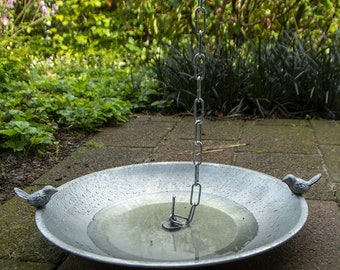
(172, 264)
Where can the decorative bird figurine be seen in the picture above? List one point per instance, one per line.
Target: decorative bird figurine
(299, 186)
(39, 198)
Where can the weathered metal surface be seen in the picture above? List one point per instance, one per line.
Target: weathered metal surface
(279, 213)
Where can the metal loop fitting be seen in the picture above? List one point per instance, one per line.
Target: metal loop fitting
(199, 191)
(199, 66)
(200, 20)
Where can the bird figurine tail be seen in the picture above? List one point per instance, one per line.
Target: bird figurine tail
(314, 179)
(21, 193)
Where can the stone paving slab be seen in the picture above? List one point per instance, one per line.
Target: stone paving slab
(327, 132)
(15, 265)
(212, 130)
(281, 122)
(181, 150)
(336, 188)
(331, 157)
(281, 164)
(20, 239)
(283, 138)
(275, 147)
(143, 132)
(90, 159)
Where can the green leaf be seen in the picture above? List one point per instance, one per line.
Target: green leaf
(15, 145)
(8, 132)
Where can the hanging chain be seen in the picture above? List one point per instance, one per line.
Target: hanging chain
(199, 67)
(175, 222)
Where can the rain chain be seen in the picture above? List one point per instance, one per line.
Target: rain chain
(175, 221)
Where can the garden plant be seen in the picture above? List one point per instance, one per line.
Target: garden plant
(82, 64)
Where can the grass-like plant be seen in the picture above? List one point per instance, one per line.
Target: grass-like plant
(286, 77)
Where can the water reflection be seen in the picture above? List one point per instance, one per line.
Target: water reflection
(132, 230)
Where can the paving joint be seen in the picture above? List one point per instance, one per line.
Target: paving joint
(324, 166)
(166, 135)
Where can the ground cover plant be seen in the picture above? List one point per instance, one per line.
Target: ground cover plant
(36, 105)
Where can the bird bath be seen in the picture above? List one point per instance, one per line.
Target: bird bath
(121, 215)
(115, 216)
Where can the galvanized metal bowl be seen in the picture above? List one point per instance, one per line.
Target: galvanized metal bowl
(78, 207)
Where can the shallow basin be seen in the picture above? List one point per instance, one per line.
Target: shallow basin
(115, 216)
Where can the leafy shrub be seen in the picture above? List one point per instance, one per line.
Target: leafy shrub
(142, 91)
(64, 92)
(32, 110)
(11, 68)
(21, 135)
